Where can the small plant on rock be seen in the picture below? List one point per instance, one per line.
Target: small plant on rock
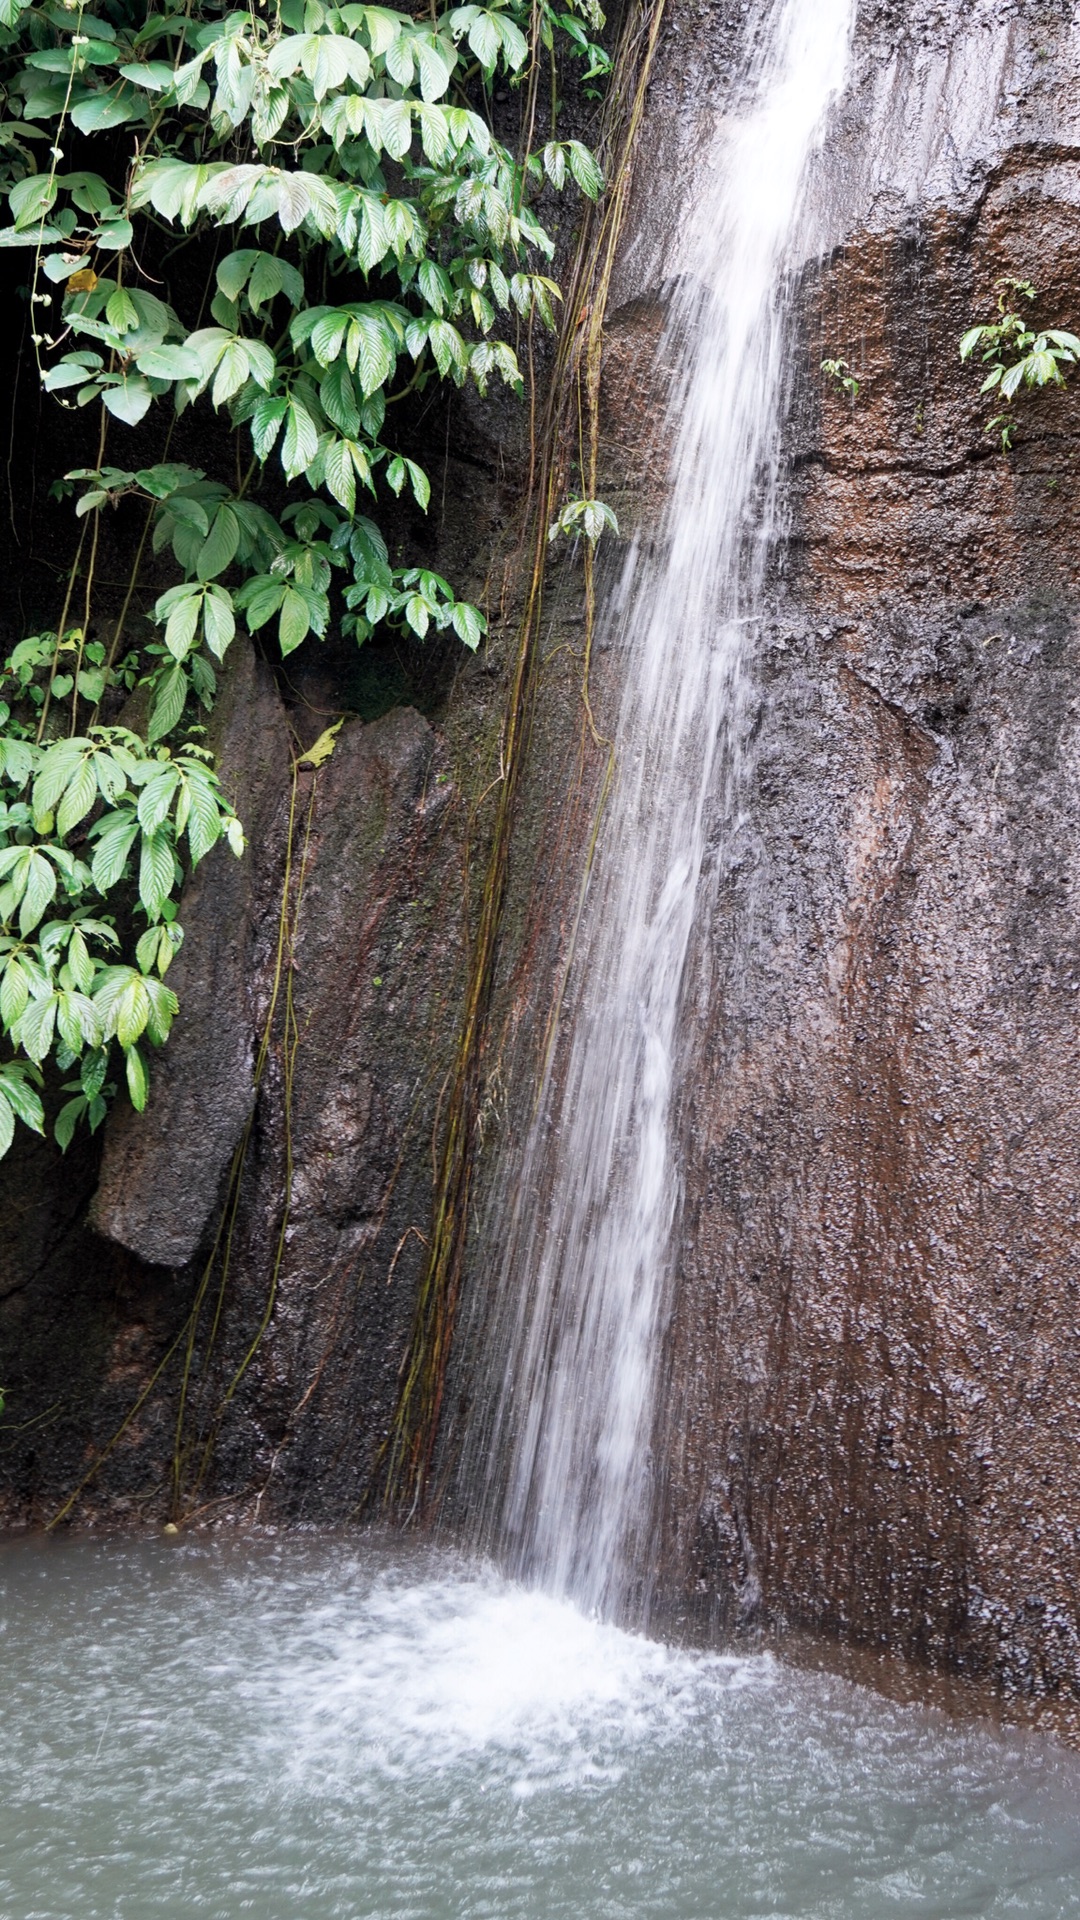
(1018, 357)
(840, 372)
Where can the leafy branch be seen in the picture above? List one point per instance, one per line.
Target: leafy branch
(379, 240)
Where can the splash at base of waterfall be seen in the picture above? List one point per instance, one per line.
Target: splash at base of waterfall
(315, 1730)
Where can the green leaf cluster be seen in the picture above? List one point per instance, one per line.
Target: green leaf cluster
(589, 517)
(1019, 356)
(371, 237)
(94, 833)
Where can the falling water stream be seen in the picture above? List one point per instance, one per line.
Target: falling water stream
(586, 1259)
(360, 1729)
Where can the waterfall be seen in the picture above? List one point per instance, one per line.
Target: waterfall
(586, 1259)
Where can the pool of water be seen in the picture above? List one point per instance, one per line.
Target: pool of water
(315, 1730)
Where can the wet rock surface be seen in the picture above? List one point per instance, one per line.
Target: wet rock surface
(234, 1279)
(874, 1363)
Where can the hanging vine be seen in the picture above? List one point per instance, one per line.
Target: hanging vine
(573, 402)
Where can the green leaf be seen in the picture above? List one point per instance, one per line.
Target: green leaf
(14, 993)
(219, 548)
(421, 485)
(78, 1021)
(31, 199)
(339, 474)
(469, 624)
(266, 423)
(169, 362)
(585, 168)
(156, 798)
(37, 1026)
(170, 697)
(137, 1079)
(79, 797)
(156, 871)
(114, 845)
(301, 441)
(232, 371)
(261, 600)
(129, 401)
(22, 1098)
(204, 825)
(121, 311)
(337, 397)
(184, 604)
(67, 1120)
(295, 622)
(113, 109)
(219, 623)
(40, 889)
(79, 962)
(92, 1071)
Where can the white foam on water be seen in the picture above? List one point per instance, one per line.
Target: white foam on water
(432, 1675)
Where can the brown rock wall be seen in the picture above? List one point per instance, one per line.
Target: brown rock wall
(874, 1366)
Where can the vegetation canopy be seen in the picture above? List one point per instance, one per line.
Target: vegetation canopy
(367, 234)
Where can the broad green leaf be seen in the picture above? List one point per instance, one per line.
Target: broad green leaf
(121, 311)
(113, 847)
(484, 39)
(421, 485)
(172, 361)
(204, 824)
(183, 622)
(295, 623)
(137, 1079)
(92, 1071)
(301, 442)
(156, 871)
(170, 697)
(338, 399)
(261, 604)
(418, 614)
(39, 890)
(219, 548)
(129, 401)
(37, 1026)
(339, 475)
(154, 75)
(31, 199)
(24, 1101)
(97, 111)
(233, 369)
(79, 797)
(219, 624)
(163, 1007)
(78, 1021)
(67, 1120)
(554, 159)
(469, 624)
(156, 798)
(585, 168)
(14, 993)
(79, 962)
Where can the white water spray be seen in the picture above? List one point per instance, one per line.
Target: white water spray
(588, 1254)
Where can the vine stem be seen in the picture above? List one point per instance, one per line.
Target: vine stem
(406, 1457)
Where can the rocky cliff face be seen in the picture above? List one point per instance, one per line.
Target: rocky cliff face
(873, 1365)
